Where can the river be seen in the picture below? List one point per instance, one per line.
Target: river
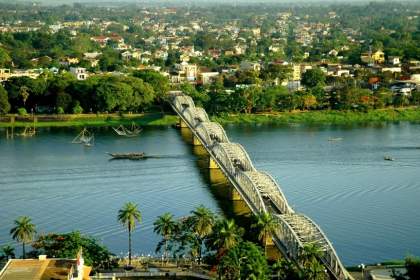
(369, 208)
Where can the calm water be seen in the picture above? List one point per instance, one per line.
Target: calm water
(368, 207)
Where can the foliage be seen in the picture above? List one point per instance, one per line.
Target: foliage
(412, 265)
(67, 245)
(22, 112)
(165, 226)
(244, 261)
(7, 252)
(4, 102)
(23, 231)
(128, 216)
(313, 77)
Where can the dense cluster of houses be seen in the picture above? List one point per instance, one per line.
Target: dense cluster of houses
(165, 37)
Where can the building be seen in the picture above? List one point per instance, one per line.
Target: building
(394, 60)
(4, 74)
(250, 66)
(296, 73)
(377, 57)
(44, 268)
(207, 77)
(79, 72)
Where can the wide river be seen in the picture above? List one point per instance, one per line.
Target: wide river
(368, 207)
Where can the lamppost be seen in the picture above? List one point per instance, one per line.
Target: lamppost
(362, 266)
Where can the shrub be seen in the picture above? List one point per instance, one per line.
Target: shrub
(60, 110)
(77, 109)
(22, 112)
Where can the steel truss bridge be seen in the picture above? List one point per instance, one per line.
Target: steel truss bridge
(258, 189)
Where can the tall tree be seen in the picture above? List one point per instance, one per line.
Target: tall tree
(202, 222)
(23, 231)
(165, 226)
(8, 252)
(226, 235)
(265, 224)
(128, 216)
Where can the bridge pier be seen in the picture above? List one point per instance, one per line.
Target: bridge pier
(213, 164)
(182, 124)
(196, 141)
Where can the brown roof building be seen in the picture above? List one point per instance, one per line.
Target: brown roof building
(45, 269)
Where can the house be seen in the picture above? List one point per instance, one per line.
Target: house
(79, 72)
(394, 60)
(127, 55)
(188, 70)
(377, 57)
(207, 77)
(250, 66)
(333, 52)
(44, 268)
(5, 74)
(296, 73)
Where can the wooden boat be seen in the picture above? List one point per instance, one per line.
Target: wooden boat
(85, 137)
(132, 156)
(389, 158)
(123, 131)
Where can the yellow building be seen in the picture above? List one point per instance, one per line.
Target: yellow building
(377, 57)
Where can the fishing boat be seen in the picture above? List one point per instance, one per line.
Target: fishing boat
(27, 132)
(132, 156)
(85, 137)
(335, 139)
(123, 131)
(389, 158)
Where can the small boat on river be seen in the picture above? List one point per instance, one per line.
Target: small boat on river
(389, 158)
(335, 139)
(132, 156)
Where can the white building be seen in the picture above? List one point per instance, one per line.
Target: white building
(79, 72)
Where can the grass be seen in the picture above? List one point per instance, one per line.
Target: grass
(155, 119)
(158, 119)
(322, 117)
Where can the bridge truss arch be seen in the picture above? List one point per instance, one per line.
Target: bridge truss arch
(182, 102)
(233, 156)
(297, 230)
(269, 190)
(212, 133)
(195, 115)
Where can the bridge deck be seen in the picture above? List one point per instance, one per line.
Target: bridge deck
(258, 189)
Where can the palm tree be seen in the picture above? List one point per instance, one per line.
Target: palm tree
(128, 215)
(24, 231)
(227, 235)
(8, 252)
(165, 226)
(308, 258)
(202, 222)
(266, 224)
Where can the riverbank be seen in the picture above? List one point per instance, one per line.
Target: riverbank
(324, 117)
(157, 119)
(152, 119)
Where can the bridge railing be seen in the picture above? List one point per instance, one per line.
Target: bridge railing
(269, 189)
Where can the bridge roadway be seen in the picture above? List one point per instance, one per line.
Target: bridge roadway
(258, 189)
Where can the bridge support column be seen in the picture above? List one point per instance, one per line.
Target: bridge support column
(196, 141)
(182, 124)
(234, 194)
(213, 164)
